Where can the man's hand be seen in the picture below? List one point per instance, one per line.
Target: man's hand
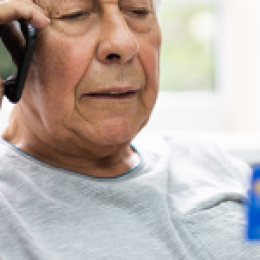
(12, 10)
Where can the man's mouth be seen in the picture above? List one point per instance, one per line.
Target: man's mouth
(113, 94)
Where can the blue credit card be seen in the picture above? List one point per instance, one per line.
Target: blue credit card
(253, 210)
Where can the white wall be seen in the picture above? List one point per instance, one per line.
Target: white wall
(231, 116)
(234, 106)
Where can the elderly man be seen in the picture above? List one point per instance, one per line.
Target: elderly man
(72, 183)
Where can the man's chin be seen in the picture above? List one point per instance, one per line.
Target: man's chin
(115, 137)
(111, 134)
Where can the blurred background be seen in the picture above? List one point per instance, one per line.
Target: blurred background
(210, 83)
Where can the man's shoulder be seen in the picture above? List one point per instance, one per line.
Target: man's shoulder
(9, 155)
(201, 173)
(184, 148)
(14, 163)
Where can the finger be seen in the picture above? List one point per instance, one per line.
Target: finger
(13, 41)
(10, 12)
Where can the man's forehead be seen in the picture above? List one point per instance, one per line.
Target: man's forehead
(52, 3)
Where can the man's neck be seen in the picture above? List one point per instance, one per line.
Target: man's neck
(92, 160)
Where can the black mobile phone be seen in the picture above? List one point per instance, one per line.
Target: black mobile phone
(14, 86)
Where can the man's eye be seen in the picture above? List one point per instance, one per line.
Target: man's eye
(141, 13)
(74, 15)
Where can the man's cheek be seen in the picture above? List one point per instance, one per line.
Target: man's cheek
(149, 58)
(59, 74)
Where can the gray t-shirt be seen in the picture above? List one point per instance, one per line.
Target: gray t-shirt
(183, 201)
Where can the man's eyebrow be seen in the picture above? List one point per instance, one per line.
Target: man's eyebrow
(51, 6)
(136, 1)
(44, 4)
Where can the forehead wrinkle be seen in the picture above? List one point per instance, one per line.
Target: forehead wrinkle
(46, 5)
(53, 6)
(116, 1)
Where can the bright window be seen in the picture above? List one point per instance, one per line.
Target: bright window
(189, 45)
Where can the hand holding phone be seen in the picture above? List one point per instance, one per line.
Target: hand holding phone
(13, 86)
(20, 48)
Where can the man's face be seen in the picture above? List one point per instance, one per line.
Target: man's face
(94, 77)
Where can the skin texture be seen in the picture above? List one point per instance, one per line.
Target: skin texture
(65, 117)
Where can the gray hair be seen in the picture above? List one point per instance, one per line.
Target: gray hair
(157, 5)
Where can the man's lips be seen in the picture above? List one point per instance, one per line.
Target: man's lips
(113, 93)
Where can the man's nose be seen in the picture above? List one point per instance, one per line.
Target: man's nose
(118, 43)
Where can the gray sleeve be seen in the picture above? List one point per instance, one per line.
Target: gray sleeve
(219, 223)
(222, 231)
